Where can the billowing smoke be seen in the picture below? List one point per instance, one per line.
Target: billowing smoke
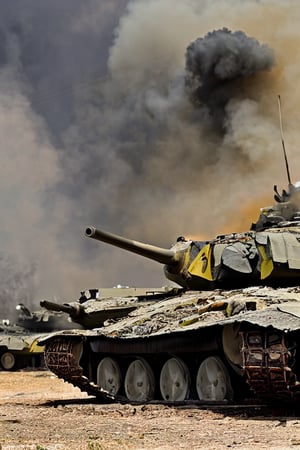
(217, 66)
(97, 127)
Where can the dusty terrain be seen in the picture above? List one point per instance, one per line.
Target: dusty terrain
(39, 412)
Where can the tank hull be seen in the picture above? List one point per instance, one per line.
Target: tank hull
(219, 346)
(19, 349)
(19, 342)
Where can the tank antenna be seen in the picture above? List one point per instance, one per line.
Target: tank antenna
(282, 141)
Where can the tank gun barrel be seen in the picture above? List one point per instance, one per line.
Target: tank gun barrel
(164, 256)
(72, 310)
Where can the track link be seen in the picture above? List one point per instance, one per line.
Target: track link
(60, 359)
(267, 365)
(267, 368)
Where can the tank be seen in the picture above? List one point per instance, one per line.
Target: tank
(19, 348)
(96, 306)
(229, 333)
(19, 341)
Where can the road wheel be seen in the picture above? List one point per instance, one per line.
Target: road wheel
(174, 380)
(213, 380)
(109, 375)
(139, 381)
(8, 361)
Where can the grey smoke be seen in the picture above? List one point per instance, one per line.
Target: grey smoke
(217, 65)
(16, 283)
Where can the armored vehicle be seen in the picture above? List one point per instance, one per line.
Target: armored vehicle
(96, 306)
(19, 341)
(229, 333)
(19, 348)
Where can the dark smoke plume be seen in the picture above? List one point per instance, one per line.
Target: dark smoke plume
(218, 63)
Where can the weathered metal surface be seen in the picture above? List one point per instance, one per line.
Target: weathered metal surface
(184, 313)
(93, 312)
(189, 323)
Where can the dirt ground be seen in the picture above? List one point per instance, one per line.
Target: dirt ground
(39, 412)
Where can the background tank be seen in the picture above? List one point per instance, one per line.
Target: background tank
(220, 337)
(96, 306)
(19, 348)
(19, 341)
(41, 320)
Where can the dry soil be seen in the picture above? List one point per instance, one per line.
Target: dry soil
(39, 412)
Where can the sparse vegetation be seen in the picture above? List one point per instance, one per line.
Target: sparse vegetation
(95, 446)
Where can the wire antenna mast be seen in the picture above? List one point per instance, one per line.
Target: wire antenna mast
(282, 141)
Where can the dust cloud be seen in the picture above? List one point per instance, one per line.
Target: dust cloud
(104, 122)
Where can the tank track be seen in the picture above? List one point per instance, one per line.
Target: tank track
(60, 359)
(267, 365)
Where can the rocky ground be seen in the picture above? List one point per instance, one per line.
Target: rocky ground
(39, 412)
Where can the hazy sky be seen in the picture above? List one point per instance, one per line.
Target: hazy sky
(140, 117)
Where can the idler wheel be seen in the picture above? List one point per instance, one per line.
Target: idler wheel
(139, 381)
(175, 380)
(77, 350)
(232, 344)
(213, 380)
(109, 375)
(8, 361)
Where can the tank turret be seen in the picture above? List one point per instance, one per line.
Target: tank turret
(89, 315)
(269, 253)
(94, 307)
(42, 321)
